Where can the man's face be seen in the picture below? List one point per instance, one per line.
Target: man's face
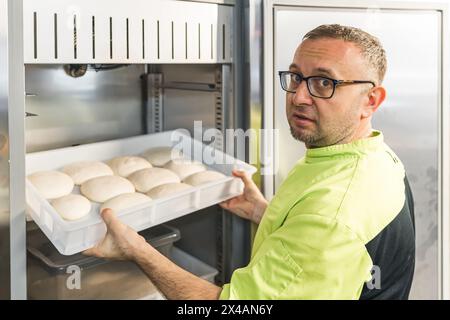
(323, 122)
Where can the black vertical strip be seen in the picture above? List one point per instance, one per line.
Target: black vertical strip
(110, 38)
(144, 103)
(173, 48)
(157, 36)
(143, 39)
(212, 42)
(75, 37)
(199, 42)
(35, 33)
(185, 40)
(223, 41)
(128, 41)
(55, 28)
(93, 37)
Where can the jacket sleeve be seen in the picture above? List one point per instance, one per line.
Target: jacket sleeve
(308, 257)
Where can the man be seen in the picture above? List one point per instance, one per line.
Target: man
(344, 214)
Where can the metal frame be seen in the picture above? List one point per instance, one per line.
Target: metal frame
(5, 267)
(13, 255)
(253, 93)
(156, 103)
(444, 131)
(445, 158)
(235, 232)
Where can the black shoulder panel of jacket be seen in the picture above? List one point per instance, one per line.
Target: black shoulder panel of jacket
(393, 255)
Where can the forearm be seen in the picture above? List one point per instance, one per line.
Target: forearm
(258, 211)
(173, 281)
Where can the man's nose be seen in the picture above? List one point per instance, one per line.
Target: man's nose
(301, 95)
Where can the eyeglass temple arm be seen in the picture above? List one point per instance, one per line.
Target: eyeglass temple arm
(354, 81)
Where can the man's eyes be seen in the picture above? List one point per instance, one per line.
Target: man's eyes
(296, 78)
(325, 82)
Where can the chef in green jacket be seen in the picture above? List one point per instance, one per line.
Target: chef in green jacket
(341, 226)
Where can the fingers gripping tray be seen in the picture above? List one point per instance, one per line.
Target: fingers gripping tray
(70, 237)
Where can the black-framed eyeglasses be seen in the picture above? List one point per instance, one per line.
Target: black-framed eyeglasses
(318, 86)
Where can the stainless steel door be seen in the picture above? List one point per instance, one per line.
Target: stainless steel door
(409, 117)
(12, 153)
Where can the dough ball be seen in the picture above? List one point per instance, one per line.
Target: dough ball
(82, 171)
(102, 189)
(203, 177)
(51, 184)
(125, 201)
(72, 207)
(124, 166)
(167, 189)
(184, 168)
(159, 156)
(146, 179)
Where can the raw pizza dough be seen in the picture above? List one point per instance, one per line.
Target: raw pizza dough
(51, 184)
(125, 201)
(124, 166)
(102, 189)
(167, 189)
(147, 179)
(82, 171)
(159, 156)
(184, 168)
(72, 207)
(203, 177)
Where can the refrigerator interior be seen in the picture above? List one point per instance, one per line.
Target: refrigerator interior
(97, 73)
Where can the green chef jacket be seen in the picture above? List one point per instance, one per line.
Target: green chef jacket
(344, 216)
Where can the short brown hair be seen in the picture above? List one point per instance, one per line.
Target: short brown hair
(370, 46)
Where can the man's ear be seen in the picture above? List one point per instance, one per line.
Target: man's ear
(375, 98)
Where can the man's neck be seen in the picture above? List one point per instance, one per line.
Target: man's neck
(365, 131)
(362, 133)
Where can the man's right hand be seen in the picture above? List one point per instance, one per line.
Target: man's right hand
(249, 205)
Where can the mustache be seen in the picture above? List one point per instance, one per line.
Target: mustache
(303, 112)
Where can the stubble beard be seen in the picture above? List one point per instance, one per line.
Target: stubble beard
(305, 137)
(336, 134)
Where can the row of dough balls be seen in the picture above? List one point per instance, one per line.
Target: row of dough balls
(107, 184)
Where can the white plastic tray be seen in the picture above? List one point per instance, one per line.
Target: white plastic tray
(70, 237)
